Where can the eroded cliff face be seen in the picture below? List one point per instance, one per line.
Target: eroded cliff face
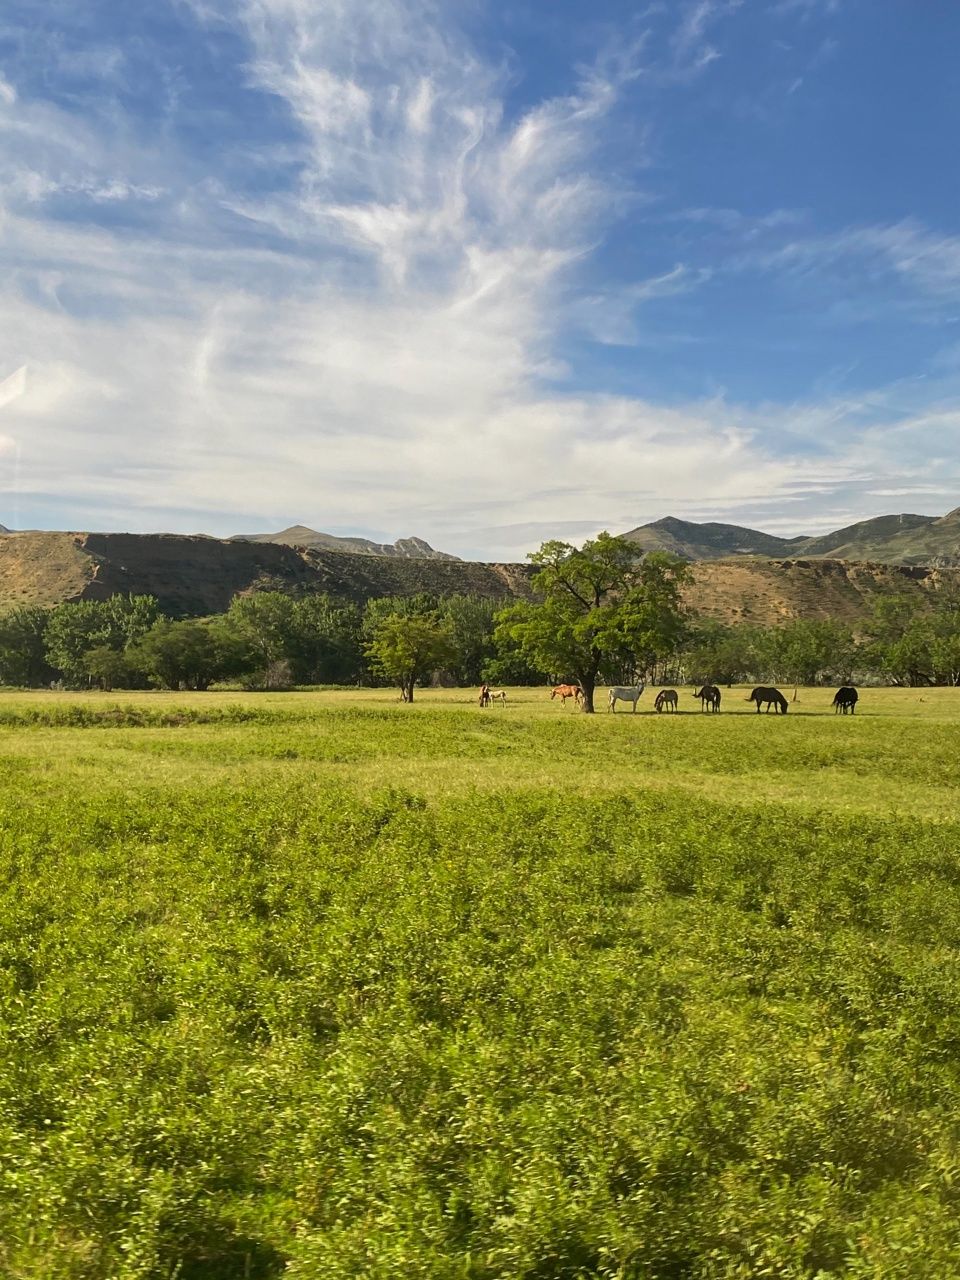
(766, 592)
(198, 575)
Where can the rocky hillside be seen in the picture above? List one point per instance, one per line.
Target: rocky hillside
(767, 592)
(897, 539)
(195, 576)
(298, 535)
(199, 575)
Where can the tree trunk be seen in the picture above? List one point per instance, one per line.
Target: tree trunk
(588, 684)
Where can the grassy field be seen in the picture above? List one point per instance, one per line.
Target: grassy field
(321, 985)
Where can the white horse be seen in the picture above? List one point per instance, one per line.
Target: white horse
(498, 695)
(620, 693)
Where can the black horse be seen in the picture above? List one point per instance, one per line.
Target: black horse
(846, 699)
(772, 697)
(709, 696)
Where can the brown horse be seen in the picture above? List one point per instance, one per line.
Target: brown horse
(666, 700)
(709, 696)
(565, 691)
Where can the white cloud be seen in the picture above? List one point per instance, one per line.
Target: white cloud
(13, 386)
(921, 259)
(375, 345)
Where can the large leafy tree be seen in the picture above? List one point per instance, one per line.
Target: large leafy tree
(325, 644)
(470, 620)
(76, 628)
(184, 655)
(602, 605)
(407, 647)
(265, 623)
(809, 650)
(23, 647)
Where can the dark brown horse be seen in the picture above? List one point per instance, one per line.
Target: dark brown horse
(846, 699)
(709, 696)
(772, 697)
(666, 700)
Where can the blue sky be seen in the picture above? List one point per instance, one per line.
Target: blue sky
(486, 273)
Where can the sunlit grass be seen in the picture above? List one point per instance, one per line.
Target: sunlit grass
(320, 985)
(895, 755)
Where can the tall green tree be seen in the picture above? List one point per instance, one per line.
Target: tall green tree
(265, 622)
(406, 648)
(471, 623)
(23, 647)
(76, 628)
(183, 655)
(810, 650)
(719, 654)
(325, 645)
(110, 668)
(604, 604)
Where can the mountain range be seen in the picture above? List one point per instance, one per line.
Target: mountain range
(895, 539)
(898, 539)
(299, 535)
(196, 576)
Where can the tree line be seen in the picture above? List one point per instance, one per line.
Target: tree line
(602, 613)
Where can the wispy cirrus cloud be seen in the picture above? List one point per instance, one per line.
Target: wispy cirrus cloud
(359, 315)
(918, 257)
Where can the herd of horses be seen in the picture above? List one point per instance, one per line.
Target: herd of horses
(844, 700)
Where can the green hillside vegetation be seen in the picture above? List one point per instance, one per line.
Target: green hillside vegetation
(893, 539)
(710, 541)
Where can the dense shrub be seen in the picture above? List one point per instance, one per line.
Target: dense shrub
(273, 1029)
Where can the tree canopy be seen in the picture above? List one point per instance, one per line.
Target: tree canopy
(407, 647)
(602, 605)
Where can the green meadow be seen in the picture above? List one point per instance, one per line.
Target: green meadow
(321, 985)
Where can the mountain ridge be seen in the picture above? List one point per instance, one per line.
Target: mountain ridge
(195, 576)
(301, 535)
(904, 539)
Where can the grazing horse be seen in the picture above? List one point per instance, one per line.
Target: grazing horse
(498, 696)
(565, 691)
(846, 699)
(709, 696)
(620, 693)
(666, 700)
(772, 697)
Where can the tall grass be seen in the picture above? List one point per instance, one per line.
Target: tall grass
(268, 1015)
